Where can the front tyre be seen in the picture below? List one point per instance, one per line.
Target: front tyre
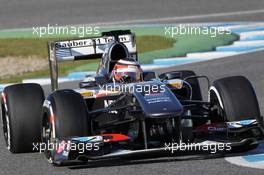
(236, 98)
(65, 114)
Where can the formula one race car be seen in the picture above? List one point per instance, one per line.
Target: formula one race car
(124, 112)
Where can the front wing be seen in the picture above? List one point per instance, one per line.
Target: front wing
(109, 146)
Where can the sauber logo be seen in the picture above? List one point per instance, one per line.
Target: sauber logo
(90, 42)
(69, 44)
(83, 43)
(213, 128)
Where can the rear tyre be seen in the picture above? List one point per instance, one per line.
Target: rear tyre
(21, 114)
(65, 114)
(197, 95)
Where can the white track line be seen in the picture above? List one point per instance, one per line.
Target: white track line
(210, 55)
(248, 43)
(177, 18)
(245, 35)
(246, 25)
(46, 81)
(239, 161)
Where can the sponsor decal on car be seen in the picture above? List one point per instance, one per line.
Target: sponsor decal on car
(89, 139)
(177, 83)
(87, 94)
(213, 127)
(239, 124)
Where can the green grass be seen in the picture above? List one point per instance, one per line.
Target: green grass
(24, 47)
(187, 44)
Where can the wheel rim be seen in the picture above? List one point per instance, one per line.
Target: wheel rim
(6, 127)
(46, 136)
(216, 107)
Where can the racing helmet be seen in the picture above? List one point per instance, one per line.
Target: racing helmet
(126, 71)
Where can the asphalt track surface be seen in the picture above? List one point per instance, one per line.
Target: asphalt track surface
(29, 13)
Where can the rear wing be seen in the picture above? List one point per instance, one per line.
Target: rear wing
(85, 49)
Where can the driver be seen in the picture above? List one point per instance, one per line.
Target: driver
(127, 71)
